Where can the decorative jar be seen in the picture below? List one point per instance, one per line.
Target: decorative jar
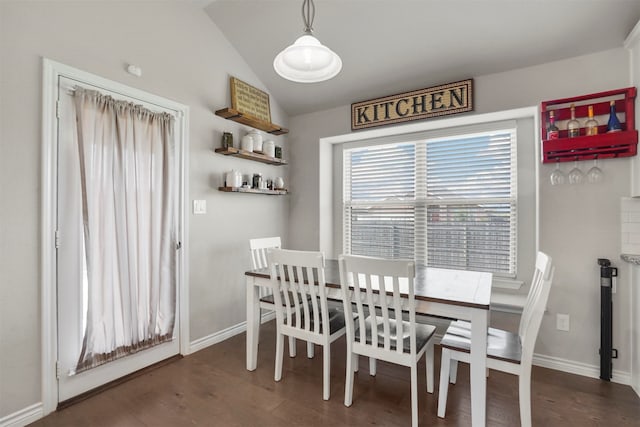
(257, 139)
(269, 148)
(227, 140)
(247, 143)
(278, 183)
(233, 178)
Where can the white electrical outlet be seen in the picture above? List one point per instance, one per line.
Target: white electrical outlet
(562, 322)
(199, 207)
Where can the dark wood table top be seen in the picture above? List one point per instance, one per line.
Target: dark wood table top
(454, 287)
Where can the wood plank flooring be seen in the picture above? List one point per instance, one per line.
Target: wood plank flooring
(213, 388)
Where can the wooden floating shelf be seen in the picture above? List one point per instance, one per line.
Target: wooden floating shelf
(276, 192)
(237, 116)
(250, 155)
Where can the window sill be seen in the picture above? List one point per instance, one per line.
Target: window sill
(504, 283)
(507, 302)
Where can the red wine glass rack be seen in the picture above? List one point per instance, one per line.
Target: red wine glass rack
(601, 146)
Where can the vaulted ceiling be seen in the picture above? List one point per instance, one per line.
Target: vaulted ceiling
(392, 46)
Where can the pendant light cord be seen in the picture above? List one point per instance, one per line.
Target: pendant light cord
(308, 15)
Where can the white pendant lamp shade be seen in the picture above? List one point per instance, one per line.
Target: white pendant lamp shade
(307, 60)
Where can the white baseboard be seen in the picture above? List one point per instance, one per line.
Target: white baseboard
(23, 417)
(209, 340)
(579, 368)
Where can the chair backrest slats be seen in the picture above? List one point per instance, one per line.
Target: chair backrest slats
(541, 273)
(397, 302)
(384, 309)
(370, 303)
(299, 276)
(359, 296)
(259, 247)
(535, 306)
(282, 272)
(379, 288)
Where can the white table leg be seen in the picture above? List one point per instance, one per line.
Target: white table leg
(479, 323)
(253, 323)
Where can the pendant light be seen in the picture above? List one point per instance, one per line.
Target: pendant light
(307, 60)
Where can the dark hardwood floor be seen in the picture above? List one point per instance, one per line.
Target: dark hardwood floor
(213, 388)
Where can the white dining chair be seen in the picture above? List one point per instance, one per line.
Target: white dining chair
(386, 287)
(301, 306)
(506, 351)
(258, 249)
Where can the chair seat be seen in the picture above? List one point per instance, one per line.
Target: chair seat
(501, 345)
(423, 333)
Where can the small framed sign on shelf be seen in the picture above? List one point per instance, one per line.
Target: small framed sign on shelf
(249, 100)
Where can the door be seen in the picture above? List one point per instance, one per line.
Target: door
(71, 265)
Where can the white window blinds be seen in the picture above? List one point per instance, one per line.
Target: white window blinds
(447, 202)
(379, 201)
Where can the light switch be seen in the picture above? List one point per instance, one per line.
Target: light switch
(199, 207)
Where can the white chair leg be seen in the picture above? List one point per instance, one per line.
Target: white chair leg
(414, 395)
(279, 355)
(524, 391)
(356, 362)
(292, 347)
(372, 366)
(348, 383)
(445, 367)
(429, 363)
(453, 375)
(310, 350)
(326, 371)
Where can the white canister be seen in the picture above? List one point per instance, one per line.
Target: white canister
(247, 142)
(257, 139)
(278, 183)
(233, 178)
(269, 148)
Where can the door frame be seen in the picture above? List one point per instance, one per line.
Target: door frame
(51, 71)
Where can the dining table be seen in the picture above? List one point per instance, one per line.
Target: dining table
(448, 293)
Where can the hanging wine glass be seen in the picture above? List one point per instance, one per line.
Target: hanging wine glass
(557, 176)
(575, 175)
(595, 175)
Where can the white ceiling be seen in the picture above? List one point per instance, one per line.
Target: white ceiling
(393, 46)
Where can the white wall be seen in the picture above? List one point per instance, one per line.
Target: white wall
(578, 223)
(184, 57)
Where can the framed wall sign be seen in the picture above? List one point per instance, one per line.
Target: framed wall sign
(442, 100)
(249, 100)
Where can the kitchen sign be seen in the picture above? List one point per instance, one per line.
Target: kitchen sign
(442, 100)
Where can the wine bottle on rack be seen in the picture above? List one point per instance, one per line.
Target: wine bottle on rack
(552, 131)
(573, 127)
(591, 125)
(613, 125)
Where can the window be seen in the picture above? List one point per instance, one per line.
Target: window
(445, 202)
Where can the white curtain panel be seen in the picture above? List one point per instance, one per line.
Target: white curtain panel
(127, 174)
